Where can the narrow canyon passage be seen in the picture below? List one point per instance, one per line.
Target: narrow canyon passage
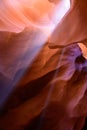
(43, 65)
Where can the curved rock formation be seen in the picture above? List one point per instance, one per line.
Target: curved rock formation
(51, 94)
(40, 88)
(72, 28)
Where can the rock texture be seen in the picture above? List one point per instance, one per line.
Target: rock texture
(72, 28)
(41, 88)
(52, 92)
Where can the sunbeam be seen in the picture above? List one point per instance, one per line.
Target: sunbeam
(50, 91)
(15, 16)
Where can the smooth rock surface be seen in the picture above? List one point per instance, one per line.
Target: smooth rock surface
(41, 88)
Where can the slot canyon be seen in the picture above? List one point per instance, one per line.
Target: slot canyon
(43, 65)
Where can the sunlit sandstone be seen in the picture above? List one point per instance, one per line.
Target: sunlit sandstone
(41, 88)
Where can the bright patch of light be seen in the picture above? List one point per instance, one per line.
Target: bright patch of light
(54, 18)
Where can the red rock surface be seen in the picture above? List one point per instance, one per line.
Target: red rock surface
(72, 28)
(41, 88)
